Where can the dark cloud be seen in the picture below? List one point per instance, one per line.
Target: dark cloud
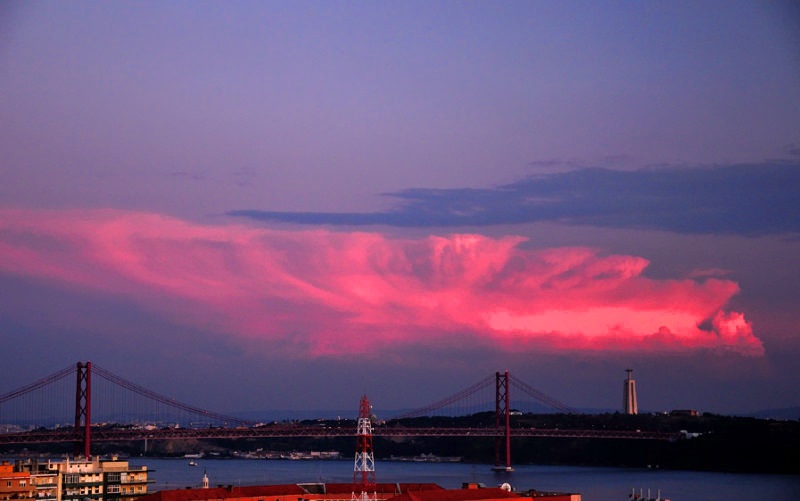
(792, 149)
(553, 165)
(740, 199)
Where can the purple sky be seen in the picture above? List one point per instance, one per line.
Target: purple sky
(284, 205)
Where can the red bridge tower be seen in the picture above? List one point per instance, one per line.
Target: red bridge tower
(502, 417)
(83, 408)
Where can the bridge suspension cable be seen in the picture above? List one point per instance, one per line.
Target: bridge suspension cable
(424, 411)
(140, 390)
(538, 395)
(52, 378)
(466, 394)
(483, 384)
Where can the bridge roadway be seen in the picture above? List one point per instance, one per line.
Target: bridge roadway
(102, 434)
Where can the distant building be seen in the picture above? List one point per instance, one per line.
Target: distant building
(629, 405)
(685, 412)
(78, 480)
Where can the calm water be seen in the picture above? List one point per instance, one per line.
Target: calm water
(594, 484)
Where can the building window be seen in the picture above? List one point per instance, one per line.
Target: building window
(22, 483)
(113, 489)
(113, 477)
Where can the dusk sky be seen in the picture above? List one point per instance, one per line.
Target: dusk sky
(285, 205)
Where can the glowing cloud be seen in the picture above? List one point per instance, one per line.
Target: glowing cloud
(321, 293)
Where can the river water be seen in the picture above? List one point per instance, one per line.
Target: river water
(593, 483)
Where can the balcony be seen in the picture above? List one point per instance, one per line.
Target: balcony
(80, 497)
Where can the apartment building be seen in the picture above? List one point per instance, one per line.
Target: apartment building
(84, 479)
(14, 484)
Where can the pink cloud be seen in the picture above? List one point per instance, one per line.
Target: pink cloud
(331, 293)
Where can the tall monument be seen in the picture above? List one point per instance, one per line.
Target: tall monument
(629, 405)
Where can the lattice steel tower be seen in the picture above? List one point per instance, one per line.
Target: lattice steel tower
(629, 404)
(364, 467)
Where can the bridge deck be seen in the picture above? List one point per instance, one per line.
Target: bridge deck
(283, 431)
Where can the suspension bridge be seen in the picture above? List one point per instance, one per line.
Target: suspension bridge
(107, 407)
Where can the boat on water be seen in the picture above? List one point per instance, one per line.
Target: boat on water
(503, 468)
(192, 462)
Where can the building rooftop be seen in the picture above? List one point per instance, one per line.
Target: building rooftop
(230, 492)
(485, 493)
(315, 491)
